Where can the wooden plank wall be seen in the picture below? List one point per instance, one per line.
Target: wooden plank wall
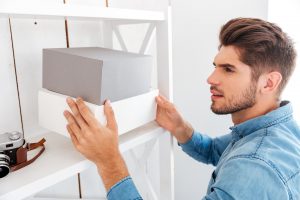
(21, 44)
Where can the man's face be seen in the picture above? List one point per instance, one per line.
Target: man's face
(231, 86)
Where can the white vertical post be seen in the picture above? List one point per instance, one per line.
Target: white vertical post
(165, 85)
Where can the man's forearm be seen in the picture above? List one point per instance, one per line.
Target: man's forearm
(116, 179)
(183, 133)
(112, 171)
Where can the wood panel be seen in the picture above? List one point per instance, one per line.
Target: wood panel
(9, 107)
(30, 36)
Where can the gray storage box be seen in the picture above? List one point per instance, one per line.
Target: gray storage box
(95, 73)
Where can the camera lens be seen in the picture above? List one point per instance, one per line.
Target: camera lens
(4, 165)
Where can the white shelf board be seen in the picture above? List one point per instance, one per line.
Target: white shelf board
(77, 12)
(61, 161)
(140, 135)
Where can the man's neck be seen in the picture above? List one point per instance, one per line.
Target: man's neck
(258, 109)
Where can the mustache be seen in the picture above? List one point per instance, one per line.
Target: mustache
(216, 89)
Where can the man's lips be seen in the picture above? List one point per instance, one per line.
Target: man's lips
(216, 95)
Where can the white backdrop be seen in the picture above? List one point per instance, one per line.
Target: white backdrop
(196, 25)
(286, 15)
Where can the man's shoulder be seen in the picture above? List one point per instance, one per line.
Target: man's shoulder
(278, 146)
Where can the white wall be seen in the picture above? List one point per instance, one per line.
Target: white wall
(195, 39)
(286, 15)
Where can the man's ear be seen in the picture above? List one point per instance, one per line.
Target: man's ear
(271, 82)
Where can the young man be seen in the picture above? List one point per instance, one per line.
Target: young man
(259, 159)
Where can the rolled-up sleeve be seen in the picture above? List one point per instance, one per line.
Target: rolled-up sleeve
(124, 190)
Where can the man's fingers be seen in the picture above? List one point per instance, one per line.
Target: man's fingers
(72, 125)
(79, 119)
(86, 113)
(110, 116)
(164, 103)
(73, 137)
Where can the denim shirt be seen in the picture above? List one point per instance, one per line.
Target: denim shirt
(124, 190)
(259, 159)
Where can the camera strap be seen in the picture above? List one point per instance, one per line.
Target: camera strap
(22, 154)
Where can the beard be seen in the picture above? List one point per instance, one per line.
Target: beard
(237, 102)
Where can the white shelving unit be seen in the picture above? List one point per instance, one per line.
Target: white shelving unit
(53, 167)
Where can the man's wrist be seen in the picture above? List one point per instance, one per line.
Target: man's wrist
(112, 171)
(184, 133)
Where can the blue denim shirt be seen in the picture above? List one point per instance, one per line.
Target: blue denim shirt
(259, 159)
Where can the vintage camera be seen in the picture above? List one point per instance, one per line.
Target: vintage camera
(9, 144)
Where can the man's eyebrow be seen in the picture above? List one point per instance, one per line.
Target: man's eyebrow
(224, 65)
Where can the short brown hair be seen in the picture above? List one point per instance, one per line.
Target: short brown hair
(262, 45)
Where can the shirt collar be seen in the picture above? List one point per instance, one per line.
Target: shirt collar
(276, 116)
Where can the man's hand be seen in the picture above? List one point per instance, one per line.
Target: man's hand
(169, 118)
(96, 142)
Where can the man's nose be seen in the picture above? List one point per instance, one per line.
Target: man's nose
(212, 79)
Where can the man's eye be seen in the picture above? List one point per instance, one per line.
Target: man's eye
(228, 69)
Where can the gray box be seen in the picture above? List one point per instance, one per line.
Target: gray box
(95, 73)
